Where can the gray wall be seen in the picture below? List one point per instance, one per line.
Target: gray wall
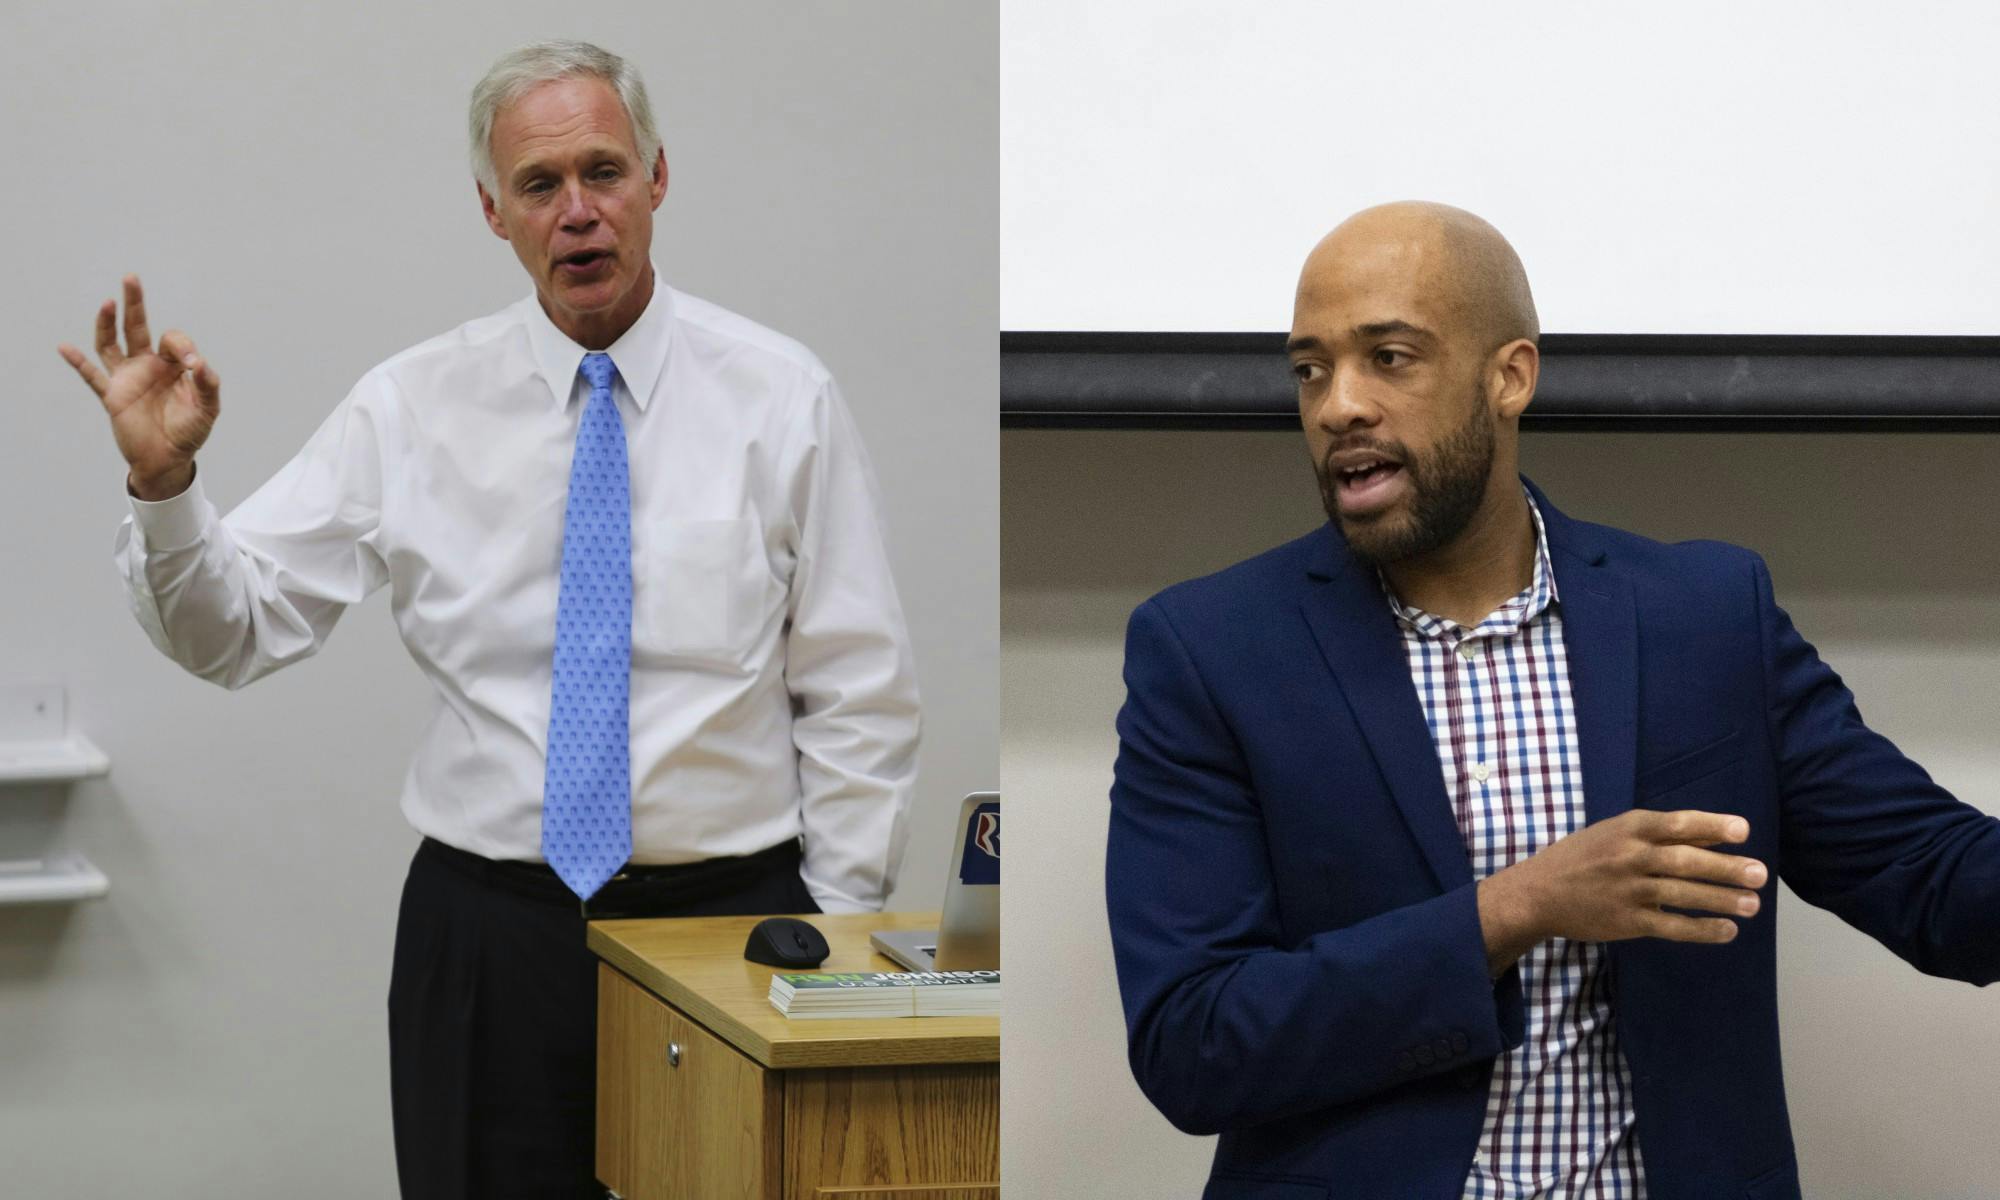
(1882, 548)
(290, 182)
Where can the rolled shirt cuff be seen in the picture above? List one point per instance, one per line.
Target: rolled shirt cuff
(174, 523)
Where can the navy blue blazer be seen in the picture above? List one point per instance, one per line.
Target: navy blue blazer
(1292, 906)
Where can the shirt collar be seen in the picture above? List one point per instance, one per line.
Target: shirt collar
(640, 354)
(1525, 605)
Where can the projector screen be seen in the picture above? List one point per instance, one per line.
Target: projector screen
(1785, 167)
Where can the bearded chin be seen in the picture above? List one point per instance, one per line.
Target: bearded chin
(1447, 485)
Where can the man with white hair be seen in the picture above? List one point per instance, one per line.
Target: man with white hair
(632, 540)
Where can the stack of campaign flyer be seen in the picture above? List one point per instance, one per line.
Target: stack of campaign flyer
(887, 994)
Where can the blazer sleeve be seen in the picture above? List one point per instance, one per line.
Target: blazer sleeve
(1865, 832)
(1229, 1022)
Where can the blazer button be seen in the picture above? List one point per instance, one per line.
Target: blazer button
(1407, 1063)
(1459, 1042)
(1443, 1047)
(1425, 1055)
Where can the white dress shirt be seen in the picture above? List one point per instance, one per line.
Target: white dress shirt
(773, 692)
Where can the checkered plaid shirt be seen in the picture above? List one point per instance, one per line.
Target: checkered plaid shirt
(1559, 1112)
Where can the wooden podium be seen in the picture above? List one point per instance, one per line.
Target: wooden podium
(706, 1092)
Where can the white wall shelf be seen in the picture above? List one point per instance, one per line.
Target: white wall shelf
(62, 878)
(60, 760)
(38, 746)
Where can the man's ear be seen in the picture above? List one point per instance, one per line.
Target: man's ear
(659, 177)
(1516, 368)
(492, 213)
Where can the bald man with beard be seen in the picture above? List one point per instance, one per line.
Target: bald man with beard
(1442, 838)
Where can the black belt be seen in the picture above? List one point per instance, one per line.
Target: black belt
(635, 891)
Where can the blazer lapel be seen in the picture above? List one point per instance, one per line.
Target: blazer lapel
(1601, 636)
(1357, 636)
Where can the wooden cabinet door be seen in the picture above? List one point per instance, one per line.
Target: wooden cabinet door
(893, 1133)
(988, 1192)
(699, 1120)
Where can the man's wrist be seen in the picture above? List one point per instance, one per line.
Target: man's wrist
(1507, 920)
(163, 486)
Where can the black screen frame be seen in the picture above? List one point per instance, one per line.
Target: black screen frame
(1680, 382)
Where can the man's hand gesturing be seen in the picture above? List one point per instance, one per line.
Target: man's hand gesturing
(1611, 880)
(162, 403)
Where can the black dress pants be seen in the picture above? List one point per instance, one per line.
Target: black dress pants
(493, 1012)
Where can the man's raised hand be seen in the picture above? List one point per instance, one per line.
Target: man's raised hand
(162, 402)
(1614, 879)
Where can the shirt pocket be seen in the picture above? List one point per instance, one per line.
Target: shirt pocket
(708, 590)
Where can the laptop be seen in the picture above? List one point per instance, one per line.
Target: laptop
(968, 938)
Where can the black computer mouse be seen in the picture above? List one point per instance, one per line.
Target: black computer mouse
(786, 942)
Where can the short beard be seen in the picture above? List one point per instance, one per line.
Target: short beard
(1447, 484)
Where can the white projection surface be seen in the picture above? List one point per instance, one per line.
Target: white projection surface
(1695, 167)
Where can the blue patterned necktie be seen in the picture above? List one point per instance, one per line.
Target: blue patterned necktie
(587, 791)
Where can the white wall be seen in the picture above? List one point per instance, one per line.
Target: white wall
(1705, 166)
(290, 181)
(1882, 548)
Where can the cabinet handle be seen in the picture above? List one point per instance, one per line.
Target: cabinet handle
(673, 1054)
